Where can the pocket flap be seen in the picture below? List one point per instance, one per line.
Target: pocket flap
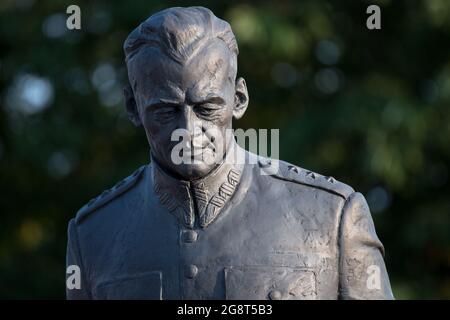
(143, 286)
(276, 283)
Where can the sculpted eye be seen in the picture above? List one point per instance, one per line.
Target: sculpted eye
(205, 109)
(165, 114)
(165, 111)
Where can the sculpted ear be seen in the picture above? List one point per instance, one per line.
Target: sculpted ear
(241, 98)
(131, 107)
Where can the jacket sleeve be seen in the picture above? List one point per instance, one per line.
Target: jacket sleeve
(362, 273)
(76, 289)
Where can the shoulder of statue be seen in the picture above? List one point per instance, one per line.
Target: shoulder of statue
(110, 194)
(288, 172)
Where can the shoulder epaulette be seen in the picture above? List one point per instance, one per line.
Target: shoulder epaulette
(109, 194)
(288, 172)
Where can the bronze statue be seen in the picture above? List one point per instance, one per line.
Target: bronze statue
(215, 229)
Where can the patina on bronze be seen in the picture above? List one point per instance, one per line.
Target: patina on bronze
(215, 230)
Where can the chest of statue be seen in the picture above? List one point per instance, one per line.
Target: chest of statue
(258, 248)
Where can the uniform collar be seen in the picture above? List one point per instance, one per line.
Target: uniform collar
(203, 199)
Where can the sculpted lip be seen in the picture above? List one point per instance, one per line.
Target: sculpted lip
(194, 152)
(198, 151)
(199, 146)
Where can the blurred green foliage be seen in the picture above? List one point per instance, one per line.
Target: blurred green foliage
(368, 107)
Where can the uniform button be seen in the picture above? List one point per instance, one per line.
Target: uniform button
(191, 271)
(189, 236)
(275, 295)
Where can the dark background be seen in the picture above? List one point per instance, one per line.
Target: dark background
(370, 108)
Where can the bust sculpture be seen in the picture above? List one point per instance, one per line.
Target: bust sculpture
(215, 229)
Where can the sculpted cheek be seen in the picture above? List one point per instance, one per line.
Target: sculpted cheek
(152, 128)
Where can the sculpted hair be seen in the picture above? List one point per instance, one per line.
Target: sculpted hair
(179, 33)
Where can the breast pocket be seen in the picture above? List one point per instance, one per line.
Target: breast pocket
(143, 286)
(275, 283)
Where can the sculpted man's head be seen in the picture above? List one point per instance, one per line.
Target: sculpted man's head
(182, 65)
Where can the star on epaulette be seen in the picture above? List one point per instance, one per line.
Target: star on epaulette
(285, 171)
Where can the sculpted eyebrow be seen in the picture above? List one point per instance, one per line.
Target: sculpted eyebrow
(213, 100)
(162, 103)
(167, 103)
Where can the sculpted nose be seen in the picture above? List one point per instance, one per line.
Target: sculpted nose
(190, 123)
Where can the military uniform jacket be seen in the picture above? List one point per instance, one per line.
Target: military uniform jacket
(240, 233)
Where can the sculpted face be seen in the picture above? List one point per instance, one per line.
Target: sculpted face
(199, 95)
